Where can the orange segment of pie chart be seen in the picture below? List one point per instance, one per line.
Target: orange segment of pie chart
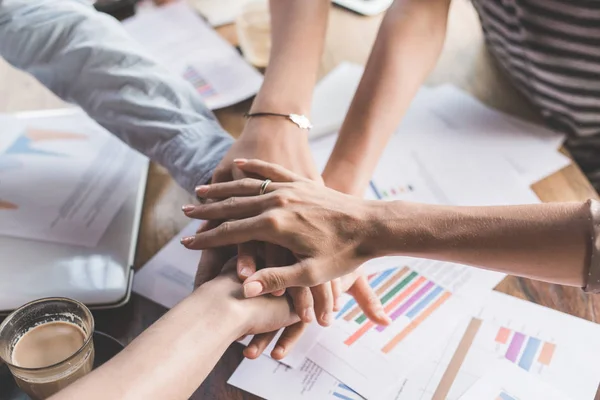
(38, 135)
(6, 205)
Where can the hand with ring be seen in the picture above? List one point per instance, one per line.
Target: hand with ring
(323, 228)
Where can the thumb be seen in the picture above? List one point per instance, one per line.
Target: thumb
(268, 280)
(368, 301)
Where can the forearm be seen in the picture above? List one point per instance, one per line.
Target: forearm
(408, 44)
(298, 34)
(171, 358)
(87, 58)
(549, 242)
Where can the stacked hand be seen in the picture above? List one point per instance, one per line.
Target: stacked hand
(287, 146)
(324, 229)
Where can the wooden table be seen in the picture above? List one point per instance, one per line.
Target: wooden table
(464, 63)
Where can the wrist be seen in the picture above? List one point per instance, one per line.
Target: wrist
(397, 228)
(345, 177)
(222, 297)
(274, 128)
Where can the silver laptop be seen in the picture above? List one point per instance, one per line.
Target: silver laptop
(100, 276)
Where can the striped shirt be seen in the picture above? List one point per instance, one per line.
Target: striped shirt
(551, 51)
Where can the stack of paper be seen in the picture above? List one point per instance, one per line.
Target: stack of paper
(185, 44)
(449, 329)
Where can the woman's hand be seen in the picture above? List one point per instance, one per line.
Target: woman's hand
(329, 232)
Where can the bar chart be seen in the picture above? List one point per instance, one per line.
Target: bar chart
(530, 353)
(404, 294)
(202, 86)
(391, 191)
(372, 357)
(343, 392)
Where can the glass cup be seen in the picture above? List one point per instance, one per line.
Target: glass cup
(253, 26)
(42, 382)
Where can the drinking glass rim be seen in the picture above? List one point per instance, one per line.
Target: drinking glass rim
(45, 299)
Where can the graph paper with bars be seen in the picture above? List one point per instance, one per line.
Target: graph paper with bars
(371, 356)
(541, 343)
(202, 86)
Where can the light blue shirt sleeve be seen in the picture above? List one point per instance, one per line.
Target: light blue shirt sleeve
(87, 58)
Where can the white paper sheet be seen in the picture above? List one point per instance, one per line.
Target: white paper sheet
(169, 277)
(554, 347)
(371, 364)
(506, 381)
(63, 177)
(267, 378)
(220, 12)
(443, 116)
(185, 44)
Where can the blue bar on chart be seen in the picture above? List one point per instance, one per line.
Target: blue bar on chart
(343, 392)
(504, 396)
(529, 353)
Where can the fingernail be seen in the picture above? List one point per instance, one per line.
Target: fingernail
(240, 161)
(245, 272)
(252, 289)
(278, 351)
(308, 314)
(337, 306)
(326, 318)
(187, 208)
(201, 189)
(187, 240)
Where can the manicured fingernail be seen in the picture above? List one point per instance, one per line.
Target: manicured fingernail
(245, 272)
(278, 352)
(187, 240)
(326, 318)
(187, 208)
(201, 189)
(252, 289)
(240, 161)
(308, 314)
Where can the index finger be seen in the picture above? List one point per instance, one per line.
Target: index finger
(262, 228)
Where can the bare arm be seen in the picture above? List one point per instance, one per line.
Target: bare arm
(408, 44)
(334, 233)
(171, 358)
(548, 242)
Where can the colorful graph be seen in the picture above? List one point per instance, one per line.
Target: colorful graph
(403, 293)
(345, 393)
(7, 205)
(504, 396)
(526, 351)
(25, 144)
(192, 75)
(392, 191)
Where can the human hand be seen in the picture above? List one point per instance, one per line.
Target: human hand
(282, 142)
(329, 232)
(263, 318)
